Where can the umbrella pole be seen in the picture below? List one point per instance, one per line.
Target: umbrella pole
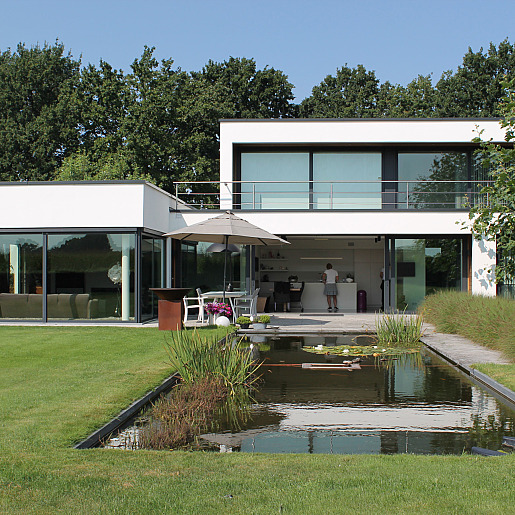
(225, 264)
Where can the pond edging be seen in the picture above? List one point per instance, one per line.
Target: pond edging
(503, 391)
(96, 438)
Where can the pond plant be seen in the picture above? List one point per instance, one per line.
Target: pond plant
(396, 335)
(399, 329)
(217, 380)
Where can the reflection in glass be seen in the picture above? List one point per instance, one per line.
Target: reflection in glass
(275, 166)
(90, 276)
(152, 274)
(425, 266)
(21, 277)
(430, 174)
(205, 270)
(347, 166)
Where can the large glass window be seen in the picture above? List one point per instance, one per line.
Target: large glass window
(202, 267)
(265, 167)
(436, 180)
(152, 274)
(90, 276)
(362, 170)
(425, 266)
(21, 276)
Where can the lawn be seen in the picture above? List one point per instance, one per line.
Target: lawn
(58, 384)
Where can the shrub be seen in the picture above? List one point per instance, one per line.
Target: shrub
(243, 320)
(263, 319)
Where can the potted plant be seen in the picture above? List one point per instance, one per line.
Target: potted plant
(261, 322)
(216, 309)
(243, 322)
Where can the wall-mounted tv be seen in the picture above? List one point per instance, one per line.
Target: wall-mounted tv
(406, 269)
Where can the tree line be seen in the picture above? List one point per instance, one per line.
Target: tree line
(62, 121)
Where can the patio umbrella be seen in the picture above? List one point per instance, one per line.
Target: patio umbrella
(227, 228)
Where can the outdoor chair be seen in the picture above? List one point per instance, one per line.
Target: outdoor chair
(282, 295)
(194, 303)
(246, 305)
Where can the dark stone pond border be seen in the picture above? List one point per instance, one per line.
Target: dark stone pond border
(501, 392)
(99, 436)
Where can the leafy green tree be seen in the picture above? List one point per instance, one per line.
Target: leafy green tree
(248, 92)
(352, 93)
(37, 114)
(495, 216)
(103, 99)
(475, 90)
(111, 166)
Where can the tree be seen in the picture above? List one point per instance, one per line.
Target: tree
(475, 90)
(495, 216)
(103, 100)
(352, 93)
(109, 167)
(38, 118)
(248, 92)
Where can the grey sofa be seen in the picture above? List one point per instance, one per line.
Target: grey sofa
(60, 305)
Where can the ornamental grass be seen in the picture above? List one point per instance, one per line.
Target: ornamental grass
(488, 321)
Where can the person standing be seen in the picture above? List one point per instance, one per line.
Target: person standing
(330, 278)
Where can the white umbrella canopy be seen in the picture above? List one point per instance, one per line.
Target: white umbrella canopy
(227, 228)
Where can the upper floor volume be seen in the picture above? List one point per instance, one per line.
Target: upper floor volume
(357, 164)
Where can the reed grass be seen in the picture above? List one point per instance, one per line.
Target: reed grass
(195, 357)
(489, 321)
(399, 329)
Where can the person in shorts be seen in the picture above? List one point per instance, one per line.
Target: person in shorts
(330, 278)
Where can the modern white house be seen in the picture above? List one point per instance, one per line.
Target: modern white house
(370, 196)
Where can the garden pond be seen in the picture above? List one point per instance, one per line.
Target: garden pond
(314, 403)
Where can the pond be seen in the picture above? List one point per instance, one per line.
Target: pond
(414, 404)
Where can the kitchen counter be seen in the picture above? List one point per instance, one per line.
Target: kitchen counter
(313, 296)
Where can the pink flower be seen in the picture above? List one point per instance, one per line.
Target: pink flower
(219, 308)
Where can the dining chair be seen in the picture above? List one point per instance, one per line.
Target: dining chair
(246, 305)
(194, 303)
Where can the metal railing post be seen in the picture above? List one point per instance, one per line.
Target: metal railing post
(253, 195)
(331, 194)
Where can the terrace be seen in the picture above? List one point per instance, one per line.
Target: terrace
(449, 195)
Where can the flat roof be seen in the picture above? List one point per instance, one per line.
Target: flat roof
(273, 120)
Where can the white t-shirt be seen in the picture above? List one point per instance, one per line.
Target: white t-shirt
(331, 275)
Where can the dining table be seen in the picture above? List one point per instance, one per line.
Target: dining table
(217, 296)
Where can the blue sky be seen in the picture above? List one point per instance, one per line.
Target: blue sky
(307, 40)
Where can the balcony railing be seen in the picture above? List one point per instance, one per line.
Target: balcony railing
(330, 195)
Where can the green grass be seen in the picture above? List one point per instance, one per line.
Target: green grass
(489, 321)
(57, 384)
(504, 374)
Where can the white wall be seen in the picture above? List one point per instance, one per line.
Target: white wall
(341, 222)
(483, 267)
(83, 205)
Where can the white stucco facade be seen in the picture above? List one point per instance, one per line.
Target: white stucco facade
(362, 133)
(57, 205)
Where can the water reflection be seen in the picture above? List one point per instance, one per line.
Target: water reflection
(409, 405)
